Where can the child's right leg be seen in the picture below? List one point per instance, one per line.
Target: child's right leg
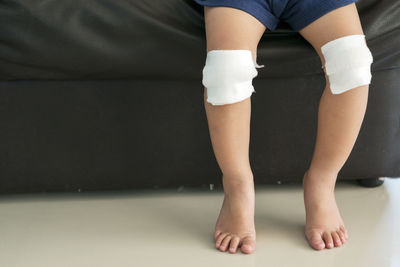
(229, 127)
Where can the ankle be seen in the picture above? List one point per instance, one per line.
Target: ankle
(238, 183)
(314, 172)
(320, 179)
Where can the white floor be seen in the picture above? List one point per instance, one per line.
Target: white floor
(175, 228)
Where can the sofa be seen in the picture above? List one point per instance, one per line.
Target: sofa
(107, 95)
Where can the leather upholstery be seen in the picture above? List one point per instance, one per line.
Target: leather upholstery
(100, 39)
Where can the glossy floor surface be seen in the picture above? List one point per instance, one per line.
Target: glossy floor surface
(175, 228)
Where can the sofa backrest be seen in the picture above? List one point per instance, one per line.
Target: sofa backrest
(158, 39)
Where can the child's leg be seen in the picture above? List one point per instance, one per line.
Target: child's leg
(339, 120)
(229, 127)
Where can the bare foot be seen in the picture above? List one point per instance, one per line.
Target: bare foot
(324, 225)
(235, 224)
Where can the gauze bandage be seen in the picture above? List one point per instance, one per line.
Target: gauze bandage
(228, 76)
(347, 63)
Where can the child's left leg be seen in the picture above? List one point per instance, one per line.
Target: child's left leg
(339, 120)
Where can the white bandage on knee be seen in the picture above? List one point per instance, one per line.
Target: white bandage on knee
(347, 63)
(228, 76)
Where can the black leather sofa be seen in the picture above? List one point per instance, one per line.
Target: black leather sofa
(107, 95)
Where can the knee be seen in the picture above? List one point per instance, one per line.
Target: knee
(228, 75)
(347, 63)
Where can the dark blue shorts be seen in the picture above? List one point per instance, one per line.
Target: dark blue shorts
(297, 13)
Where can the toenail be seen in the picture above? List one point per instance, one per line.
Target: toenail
(247, 247)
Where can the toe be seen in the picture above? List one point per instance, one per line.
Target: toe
(341, 236)
(219, 239)
(248, 245)
(225, 243)
(216, 234)
(234, 244)
(316, 241)
(344, 230)
(336, 239)
(328, 239)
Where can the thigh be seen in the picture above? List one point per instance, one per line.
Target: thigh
(338, 23)
(232, 28)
